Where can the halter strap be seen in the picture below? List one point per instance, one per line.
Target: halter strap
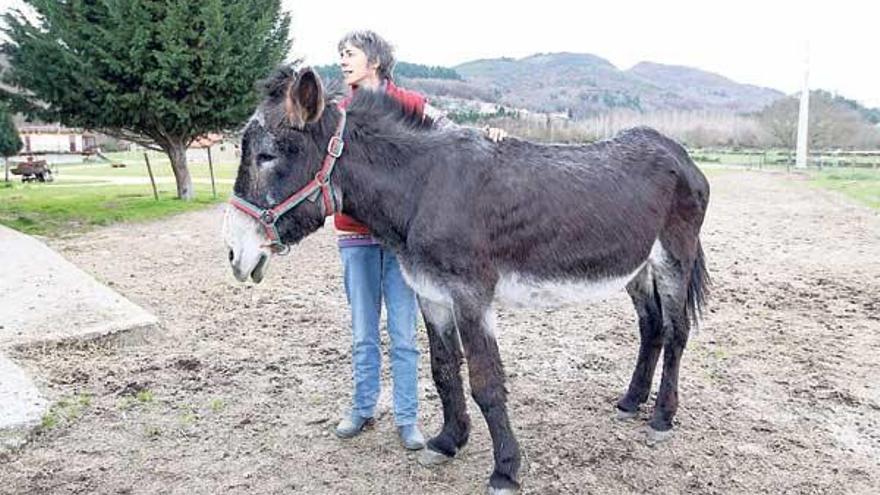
(269, 217)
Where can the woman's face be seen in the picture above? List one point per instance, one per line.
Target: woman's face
(356, 69)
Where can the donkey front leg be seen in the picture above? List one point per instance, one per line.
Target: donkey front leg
(475, 324)
(446, 361)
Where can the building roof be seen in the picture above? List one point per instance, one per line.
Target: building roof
(207, 140)
(40, 128)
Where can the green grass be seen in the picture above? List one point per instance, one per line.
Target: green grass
(862, 185)
(217, 405)
(136, 167)
(74, 203)
(145, 396)
(66, 410)
(748, 159)
(56, 209)
(778, 158)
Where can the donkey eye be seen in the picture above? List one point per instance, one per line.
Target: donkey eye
(264, 158)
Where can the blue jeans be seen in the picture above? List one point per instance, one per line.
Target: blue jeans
(371, 272)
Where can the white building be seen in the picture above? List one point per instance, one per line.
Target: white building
(53, 138)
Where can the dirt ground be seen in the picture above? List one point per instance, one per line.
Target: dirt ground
(240, 389)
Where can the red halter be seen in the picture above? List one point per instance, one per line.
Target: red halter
(321, 183)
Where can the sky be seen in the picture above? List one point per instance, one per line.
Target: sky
(762, 42)
(750, 41)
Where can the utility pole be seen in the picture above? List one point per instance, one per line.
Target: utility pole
(804, 115)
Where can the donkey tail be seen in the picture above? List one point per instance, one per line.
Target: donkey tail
(698, 288)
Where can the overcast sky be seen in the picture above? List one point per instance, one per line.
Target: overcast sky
(759, 42)
(750, 41)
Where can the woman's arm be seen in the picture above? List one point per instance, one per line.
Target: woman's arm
(442, 121)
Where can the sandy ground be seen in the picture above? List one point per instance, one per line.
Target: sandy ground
(239, 391)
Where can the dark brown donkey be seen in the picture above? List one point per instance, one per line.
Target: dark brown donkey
(475, 223)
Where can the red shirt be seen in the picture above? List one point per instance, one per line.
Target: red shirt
(412, 102)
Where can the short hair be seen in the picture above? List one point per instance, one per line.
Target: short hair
(376, 49)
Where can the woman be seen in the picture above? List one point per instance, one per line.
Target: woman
(372, 273)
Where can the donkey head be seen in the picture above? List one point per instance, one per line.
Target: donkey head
(281, 151)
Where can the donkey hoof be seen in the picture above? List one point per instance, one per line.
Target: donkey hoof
(625, 415)
(500, 484)
(501, 491)
(430, 458)
(656, 436)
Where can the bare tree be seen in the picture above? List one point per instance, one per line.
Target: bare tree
(780, 121)
(832, 123)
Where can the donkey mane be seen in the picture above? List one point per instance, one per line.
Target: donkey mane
(386, 131)
(382, 110)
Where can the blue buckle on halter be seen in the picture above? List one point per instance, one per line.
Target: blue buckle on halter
(334, 147)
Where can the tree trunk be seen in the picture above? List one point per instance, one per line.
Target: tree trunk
(6, 167)
(177, 153)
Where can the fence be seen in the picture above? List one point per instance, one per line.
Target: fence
(869, 159)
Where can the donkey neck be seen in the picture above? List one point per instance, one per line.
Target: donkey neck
(380, 180)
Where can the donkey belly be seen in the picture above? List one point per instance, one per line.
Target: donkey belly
(523, 291)
(514, 290)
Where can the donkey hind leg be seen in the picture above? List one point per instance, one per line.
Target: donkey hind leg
(475, 324)
(446, 359)
(671, 282)
(647, 304)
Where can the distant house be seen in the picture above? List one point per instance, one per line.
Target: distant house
(223, 149)
(54, 138)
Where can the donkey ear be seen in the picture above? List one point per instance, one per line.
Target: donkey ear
(308, 96)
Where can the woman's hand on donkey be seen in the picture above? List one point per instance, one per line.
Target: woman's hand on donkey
(494, 133)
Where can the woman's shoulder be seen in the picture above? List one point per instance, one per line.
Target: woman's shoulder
(406, 96)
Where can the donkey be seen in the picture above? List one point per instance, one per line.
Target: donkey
(475, 224)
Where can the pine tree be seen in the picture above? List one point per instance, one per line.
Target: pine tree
(155, 72)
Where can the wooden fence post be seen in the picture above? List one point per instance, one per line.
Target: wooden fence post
(211, 169)
(152, 180)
